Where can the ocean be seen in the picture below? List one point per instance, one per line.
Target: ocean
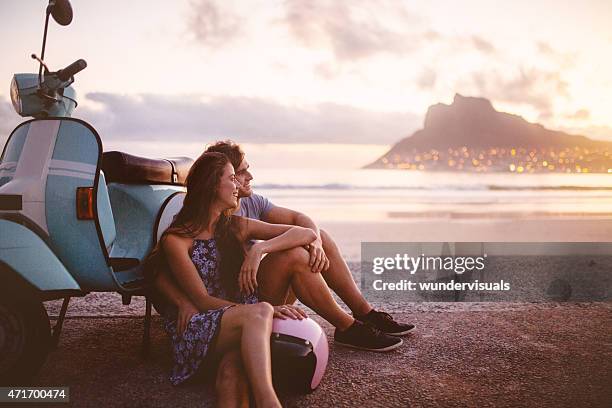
(357, 195)
(326, 181)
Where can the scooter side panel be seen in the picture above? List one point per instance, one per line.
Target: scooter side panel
(31, 169)
(136, 208)
(77, 242)
(29, 256)
(12, 152)
(105, 214)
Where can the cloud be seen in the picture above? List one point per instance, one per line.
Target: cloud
(531, 86)
(353, 30)
(193, 118)
(361, 29)
(545, 48)
(483, 45)
(250, 120)
(561, 59)
(600, 132)
(212, 24)
(427, 79)
(327, 71)
(580, 114)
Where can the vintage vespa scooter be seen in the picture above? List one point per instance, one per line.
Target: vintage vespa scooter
(72, 219)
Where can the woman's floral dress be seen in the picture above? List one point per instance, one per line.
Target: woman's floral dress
(191, 348)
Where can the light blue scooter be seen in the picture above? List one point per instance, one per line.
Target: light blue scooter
(72, 219)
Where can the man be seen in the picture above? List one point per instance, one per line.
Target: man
(281, 274)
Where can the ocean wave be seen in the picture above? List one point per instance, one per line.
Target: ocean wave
(554, 188)
(496, 214)
(471, 187)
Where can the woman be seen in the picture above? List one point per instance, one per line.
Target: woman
(202, 252)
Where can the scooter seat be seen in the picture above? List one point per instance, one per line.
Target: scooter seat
(121, 167)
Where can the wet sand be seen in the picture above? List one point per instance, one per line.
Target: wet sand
(350, 235)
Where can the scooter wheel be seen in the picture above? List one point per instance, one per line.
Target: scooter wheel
(25, 339)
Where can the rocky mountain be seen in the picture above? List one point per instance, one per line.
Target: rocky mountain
(470, 134)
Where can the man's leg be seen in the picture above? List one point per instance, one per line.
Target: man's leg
(338, 276)
(280, 270)
(232, 384)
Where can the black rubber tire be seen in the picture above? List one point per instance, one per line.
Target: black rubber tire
(25, 338)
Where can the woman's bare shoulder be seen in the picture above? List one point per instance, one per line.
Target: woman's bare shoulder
(170, 241)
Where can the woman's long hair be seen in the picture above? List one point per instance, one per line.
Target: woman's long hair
(194, 217)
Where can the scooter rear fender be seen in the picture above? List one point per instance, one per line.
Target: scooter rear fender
(26, 254)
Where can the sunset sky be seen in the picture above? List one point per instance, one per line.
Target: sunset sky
(360, 73)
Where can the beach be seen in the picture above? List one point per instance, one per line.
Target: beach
(468, 349)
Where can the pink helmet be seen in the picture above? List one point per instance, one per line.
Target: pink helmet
(299, 354)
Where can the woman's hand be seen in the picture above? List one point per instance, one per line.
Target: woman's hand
(247, 278)
(290, 311)
(186, 310)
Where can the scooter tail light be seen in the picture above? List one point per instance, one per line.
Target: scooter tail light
(84, 203)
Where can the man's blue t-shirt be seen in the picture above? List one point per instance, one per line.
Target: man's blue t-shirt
(256, 207)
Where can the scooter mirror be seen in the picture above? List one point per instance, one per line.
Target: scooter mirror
(61, 10)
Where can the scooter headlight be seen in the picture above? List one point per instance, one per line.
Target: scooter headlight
(15, 98)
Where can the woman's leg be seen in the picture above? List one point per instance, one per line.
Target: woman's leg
(232, 384)
(280, 270)
(249, 327)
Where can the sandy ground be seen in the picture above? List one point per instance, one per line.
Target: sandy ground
(468, 354)
(462, 354)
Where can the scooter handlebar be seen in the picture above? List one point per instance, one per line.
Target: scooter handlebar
(72, 69)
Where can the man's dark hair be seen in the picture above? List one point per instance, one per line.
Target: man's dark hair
(229, 148)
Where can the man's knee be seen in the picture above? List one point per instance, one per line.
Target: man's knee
(324, 234)
(326, 239)
(293, 257)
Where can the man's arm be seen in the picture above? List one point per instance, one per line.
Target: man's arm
(281, 215)
(276, 237)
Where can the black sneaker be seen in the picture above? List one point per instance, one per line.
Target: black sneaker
(364, 337)
(385, 323)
